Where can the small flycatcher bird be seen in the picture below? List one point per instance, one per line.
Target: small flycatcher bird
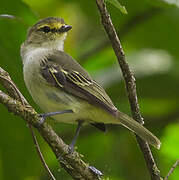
(63, 89)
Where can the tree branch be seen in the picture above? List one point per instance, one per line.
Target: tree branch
(71, 162)
(172, 169)
(130, 86)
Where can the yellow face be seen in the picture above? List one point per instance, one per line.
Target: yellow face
(48, 29)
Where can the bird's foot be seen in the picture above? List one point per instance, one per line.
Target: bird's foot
(42, 118)
(95, 171)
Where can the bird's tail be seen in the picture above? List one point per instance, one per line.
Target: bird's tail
(140, 130)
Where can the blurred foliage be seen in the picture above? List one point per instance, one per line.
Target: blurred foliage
(118, 5)
(171, 2)
(150, 42)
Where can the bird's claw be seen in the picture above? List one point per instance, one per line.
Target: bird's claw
(42, 118)
(96, 171)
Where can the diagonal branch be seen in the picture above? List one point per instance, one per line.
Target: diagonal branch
(71, 162)
(130, 86)
(172, 169)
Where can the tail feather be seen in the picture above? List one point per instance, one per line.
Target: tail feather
(140, 130)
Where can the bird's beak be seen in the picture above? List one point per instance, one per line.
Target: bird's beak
(65, 28)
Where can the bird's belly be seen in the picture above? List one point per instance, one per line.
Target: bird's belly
(51, 99)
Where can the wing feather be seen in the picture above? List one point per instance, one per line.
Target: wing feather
(76, 81)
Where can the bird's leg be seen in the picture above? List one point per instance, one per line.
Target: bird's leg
(45, 115)
(71, 146)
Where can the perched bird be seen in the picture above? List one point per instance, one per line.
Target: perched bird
(63, 89)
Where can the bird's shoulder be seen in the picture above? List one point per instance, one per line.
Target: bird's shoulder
(65, 61)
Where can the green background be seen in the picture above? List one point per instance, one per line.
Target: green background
(150, 37)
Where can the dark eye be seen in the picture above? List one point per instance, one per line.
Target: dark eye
(45, 29)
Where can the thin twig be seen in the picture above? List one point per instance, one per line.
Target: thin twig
(16, 94)
(172, 169)
(130, 86)
(39, 152)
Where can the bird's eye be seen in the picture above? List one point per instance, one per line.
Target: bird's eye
(45, 29)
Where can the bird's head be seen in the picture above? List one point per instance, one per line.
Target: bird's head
(50, 31)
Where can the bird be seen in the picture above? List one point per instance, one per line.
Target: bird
(63, 89)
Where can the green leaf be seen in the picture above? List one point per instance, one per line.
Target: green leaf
(118, 5)
(170, 143)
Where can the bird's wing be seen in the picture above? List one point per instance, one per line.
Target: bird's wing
(60, 70)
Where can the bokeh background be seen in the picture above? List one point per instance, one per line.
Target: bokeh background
(150, 38)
